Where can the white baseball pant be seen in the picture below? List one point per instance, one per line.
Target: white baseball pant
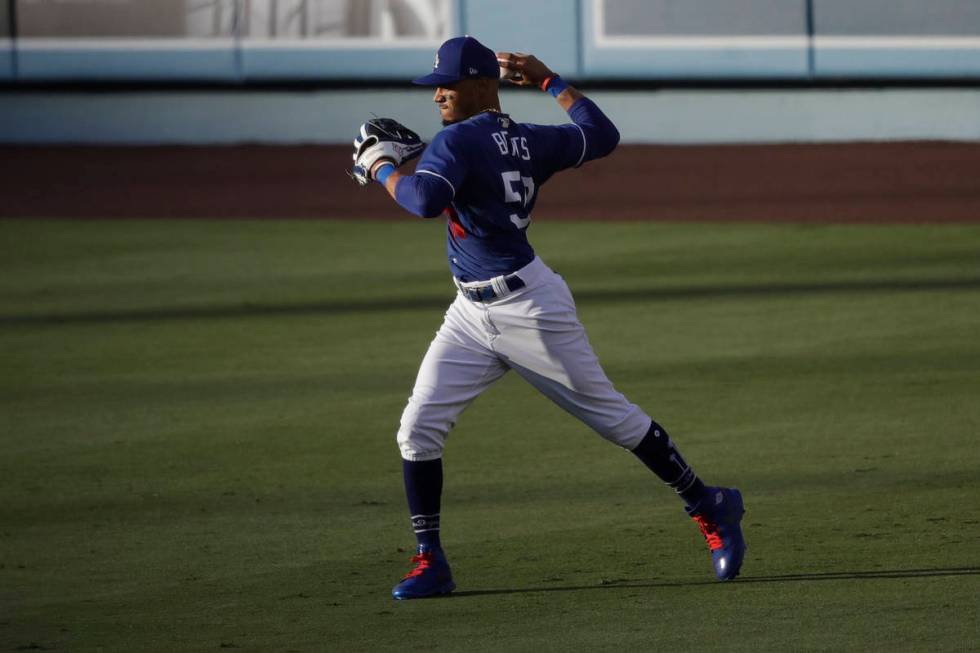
(534, 331)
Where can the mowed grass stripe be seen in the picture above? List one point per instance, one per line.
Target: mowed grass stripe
(197, 420)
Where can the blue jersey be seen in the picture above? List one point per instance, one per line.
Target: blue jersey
(485, 174)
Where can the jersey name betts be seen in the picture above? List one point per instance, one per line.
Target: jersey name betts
(494, 167)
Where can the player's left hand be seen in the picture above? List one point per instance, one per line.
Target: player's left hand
(383, 139)
(523, 69)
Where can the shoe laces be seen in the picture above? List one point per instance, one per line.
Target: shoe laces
(710, 531)
(421, 562)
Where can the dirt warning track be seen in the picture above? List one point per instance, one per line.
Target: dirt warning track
(930, 182)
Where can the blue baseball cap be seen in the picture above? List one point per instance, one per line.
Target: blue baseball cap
(461, 58)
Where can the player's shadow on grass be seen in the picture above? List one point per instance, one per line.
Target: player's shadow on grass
(584, 296)
(780, 578)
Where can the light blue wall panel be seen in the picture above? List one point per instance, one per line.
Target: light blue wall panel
(682, 56)
(896, 17)
(116, 63)
(895, 63)
(272, 63)
(647, 40)
(666, 116)
(686, 63)
(896, 39)
(547, 29)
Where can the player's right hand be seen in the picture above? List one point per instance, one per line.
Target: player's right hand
(532, 70)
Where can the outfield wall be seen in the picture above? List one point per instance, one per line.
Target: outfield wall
(213, 71)
(676, 116)
(246, 41)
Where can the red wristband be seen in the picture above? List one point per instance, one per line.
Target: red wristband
(547, 80)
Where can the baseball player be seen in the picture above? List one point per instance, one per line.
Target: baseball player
(484, 171)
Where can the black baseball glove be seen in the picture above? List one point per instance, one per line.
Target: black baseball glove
(383, 139)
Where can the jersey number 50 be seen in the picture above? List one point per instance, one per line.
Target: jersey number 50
(518, 190)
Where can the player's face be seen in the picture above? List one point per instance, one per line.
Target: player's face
(459, 101)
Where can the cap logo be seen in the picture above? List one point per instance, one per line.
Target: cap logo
(436, 62)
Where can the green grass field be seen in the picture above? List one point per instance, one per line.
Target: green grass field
(197, 431)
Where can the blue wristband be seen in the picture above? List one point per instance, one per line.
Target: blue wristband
(381, 176)
(556, 85)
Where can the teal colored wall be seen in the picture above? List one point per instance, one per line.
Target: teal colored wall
(548, 28)
(745, 40)
(671, 116)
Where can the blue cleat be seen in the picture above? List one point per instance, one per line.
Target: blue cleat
(430, 577)
(719, 517)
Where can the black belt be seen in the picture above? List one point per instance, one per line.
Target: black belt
(487, 293)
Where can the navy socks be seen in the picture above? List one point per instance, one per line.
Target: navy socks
(658, 452)
(423, 482)
(423, 488)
